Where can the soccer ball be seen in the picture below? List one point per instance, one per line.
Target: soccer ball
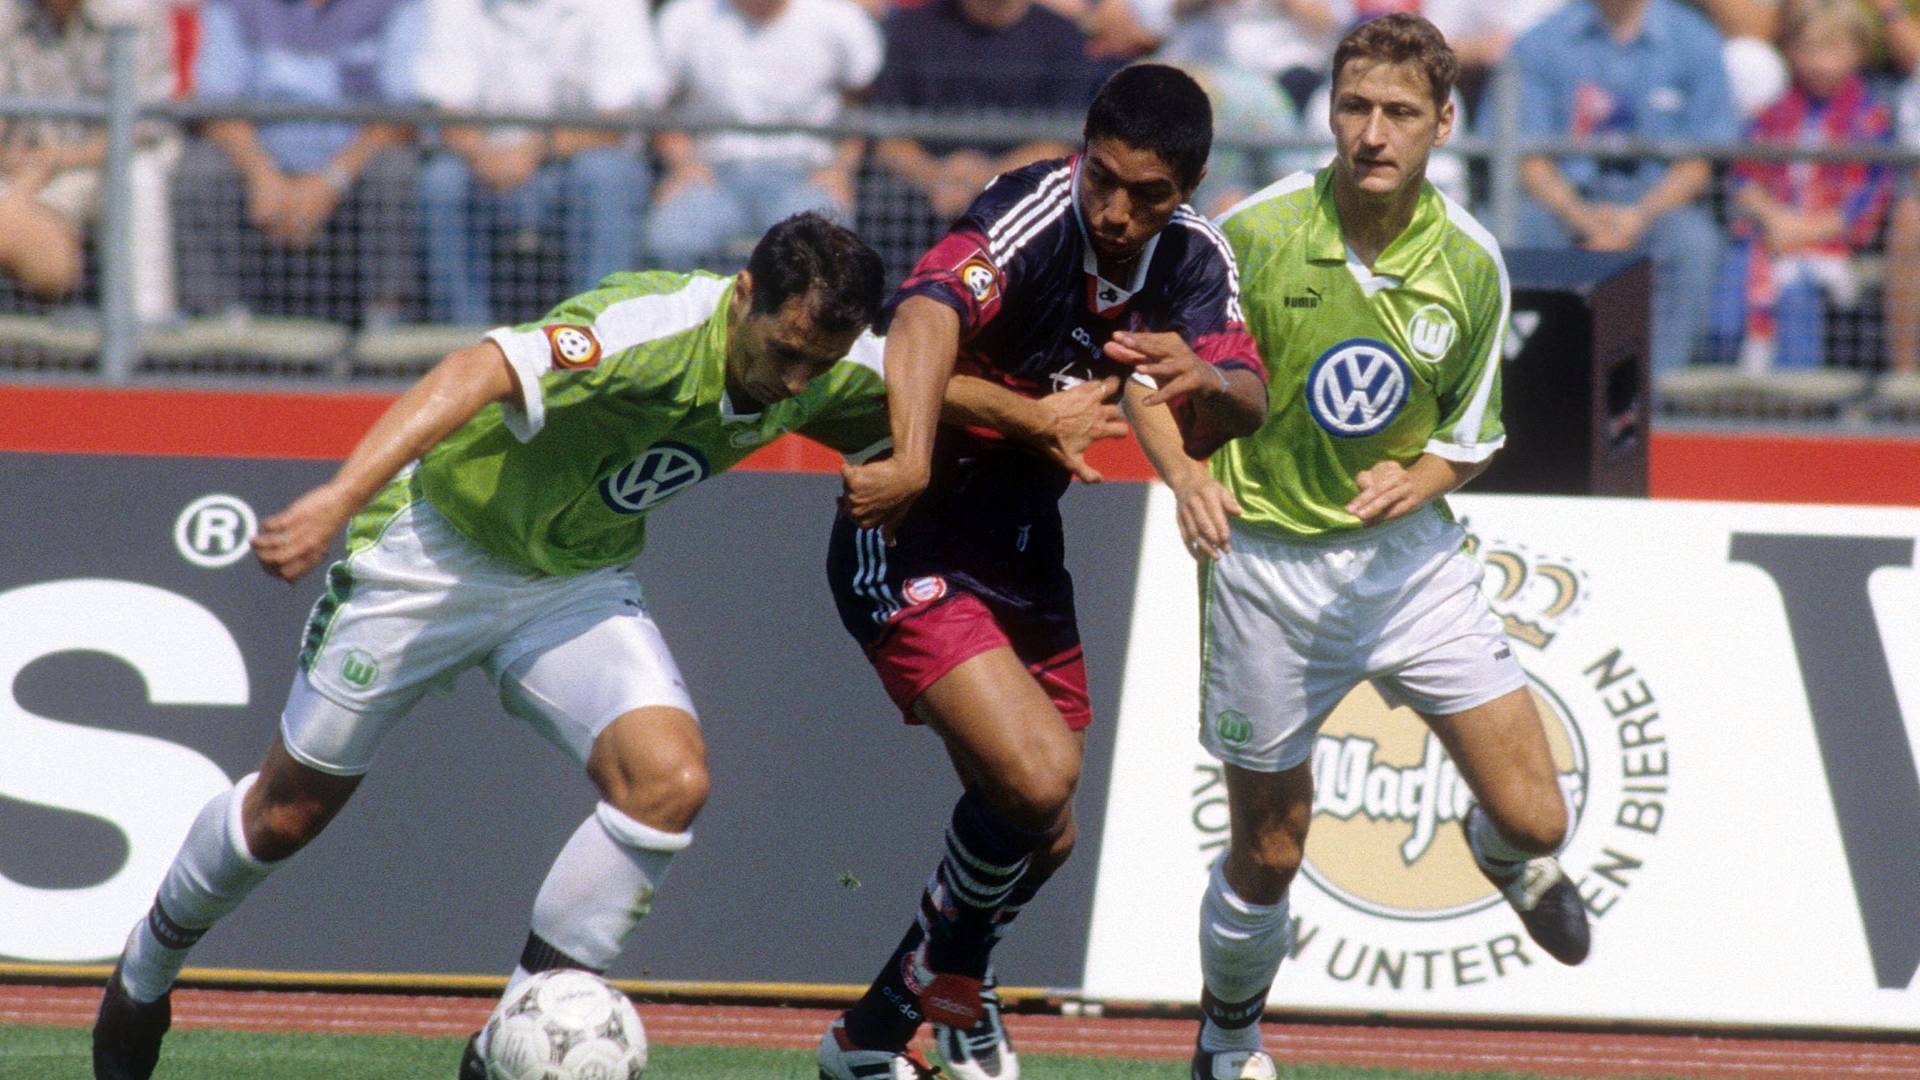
(564, 1025)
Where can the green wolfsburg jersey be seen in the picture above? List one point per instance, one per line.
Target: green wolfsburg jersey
(1363, 366)
(622, 406)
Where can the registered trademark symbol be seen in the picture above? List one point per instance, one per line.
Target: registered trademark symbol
(215, 530)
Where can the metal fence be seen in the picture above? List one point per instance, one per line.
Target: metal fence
(181, 282)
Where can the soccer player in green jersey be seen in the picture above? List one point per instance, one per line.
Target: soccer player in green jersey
(1329, 554)
(539, 453)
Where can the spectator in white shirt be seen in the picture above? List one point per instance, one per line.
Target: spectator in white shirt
(756, 62)
(550, 57)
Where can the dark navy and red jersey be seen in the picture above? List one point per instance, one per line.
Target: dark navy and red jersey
(1035, 316)
(1034, 313)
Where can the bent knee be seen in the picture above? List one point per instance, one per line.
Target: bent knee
(1544, 831)
(1037, 795)
(665, 794)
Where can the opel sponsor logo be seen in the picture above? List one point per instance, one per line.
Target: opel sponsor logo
(1357, 387)
(215, 530)
(665, 470)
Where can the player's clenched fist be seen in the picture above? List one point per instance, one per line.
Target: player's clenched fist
(879, 493)
(293, 541)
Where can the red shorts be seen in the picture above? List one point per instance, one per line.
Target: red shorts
(920, 646)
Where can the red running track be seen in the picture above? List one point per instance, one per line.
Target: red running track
(1437, 1050)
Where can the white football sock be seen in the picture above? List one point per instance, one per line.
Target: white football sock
(600, 887)
(210, 876)
(1241, 946)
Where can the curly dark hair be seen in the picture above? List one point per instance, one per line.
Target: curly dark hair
(809, 255)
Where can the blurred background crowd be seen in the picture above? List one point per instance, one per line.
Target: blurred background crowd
(348, 246)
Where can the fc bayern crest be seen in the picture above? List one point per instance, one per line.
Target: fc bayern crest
(1357, 387)
(925, 590)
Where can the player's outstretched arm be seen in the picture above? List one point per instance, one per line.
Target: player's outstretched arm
(921, 345)
(1390, 490)
(1061, 425)
(1230, 401)
(1202, 504)
(294, 540)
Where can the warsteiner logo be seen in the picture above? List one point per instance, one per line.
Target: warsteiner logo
(1387, 803)
(1393, 901)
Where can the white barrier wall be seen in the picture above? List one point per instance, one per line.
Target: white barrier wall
(1733, 696)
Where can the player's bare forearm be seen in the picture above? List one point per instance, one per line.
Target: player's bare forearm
(1390, 490)
(921, 346)
(1061, 425)
(1159, 437)
(1202, 504)
(971, 401)
(293, 541)
(1237, 410)
(1229, 401)
(445, 398)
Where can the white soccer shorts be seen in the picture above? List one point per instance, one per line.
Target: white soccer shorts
(569, 654)
(1290, 626)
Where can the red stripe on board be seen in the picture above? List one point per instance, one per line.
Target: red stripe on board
(1785, 468)
(196, 423)
(185, 423)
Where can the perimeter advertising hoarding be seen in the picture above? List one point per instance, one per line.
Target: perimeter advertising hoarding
(144, 659)
(1732, 694)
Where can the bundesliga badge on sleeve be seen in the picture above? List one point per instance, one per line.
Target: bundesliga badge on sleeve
(574, 347)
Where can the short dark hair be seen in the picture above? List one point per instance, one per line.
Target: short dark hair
(1397, 39)
(809, 255)
(1159, 108)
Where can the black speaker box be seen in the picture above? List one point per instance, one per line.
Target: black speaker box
(1577, 380)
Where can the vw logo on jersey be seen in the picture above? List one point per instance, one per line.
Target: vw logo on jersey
(1357, 387)
(665, 470)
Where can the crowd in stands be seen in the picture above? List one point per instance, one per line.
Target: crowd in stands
(374, 225)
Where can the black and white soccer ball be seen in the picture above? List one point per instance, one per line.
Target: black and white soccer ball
(564, 1025)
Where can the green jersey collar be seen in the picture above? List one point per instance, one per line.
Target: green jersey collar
(1327, 242)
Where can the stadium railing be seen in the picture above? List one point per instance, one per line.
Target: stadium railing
(128, 323)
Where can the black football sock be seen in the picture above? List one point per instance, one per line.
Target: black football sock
(888, 1014)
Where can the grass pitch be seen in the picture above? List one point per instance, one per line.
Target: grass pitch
(48, 1053)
